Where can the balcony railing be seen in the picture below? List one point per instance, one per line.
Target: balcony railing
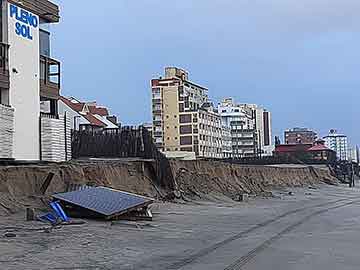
(4, 58)
(49, 77)
(49, 115)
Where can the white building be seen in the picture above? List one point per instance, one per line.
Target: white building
(29, 76)
(226, 142)
(250, 128)
(338, 143)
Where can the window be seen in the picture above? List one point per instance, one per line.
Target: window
(4, 96)
(186, 129)
(44, 43)
(185, 118)
(186, 140)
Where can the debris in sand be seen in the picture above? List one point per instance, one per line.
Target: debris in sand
(30, 214)
(105, 203)
(242, 198)
(46, 183)
(56, 217)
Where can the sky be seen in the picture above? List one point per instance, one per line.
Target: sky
(298, 59)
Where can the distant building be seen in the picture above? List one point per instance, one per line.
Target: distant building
(183, 116)
(226, 142)
(263, 126)
(250, 128)
(354, 154)
(299, 136)
(338, 143)
(87, 115)
(316, 152)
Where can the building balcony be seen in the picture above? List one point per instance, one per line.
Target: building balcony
(158, 134)
(49, 78)
(4, 66)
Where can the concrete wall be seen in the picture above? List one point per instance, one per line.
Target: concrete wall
(24, 66)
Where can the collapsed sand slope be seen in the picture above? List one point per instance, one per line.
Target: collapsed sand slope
(20, 185)
(194, 178)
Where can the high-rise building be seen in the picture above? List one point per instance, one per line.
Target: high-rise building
(183, 116)
(226, 142)
(241, 123)
(30, 76)
(263, 126)
(354, 154)
(338, 143)
(299, 136)
(250, 128)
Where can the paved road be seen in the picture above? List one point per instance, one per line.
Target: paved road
(311, 229)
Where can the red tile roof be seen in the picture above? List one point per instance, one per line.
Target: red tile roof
(287, 148)
(78, 107)
(99, 110)
(94, 121)
(75, 106)
(319, 147)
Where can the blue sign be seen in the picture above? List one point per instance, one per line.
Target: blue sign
(25, 21)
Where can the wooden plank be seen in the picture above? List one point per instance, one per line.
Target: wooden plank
(43, 8)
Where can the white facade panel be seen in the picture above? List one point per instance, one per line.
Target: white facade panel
(24, 66)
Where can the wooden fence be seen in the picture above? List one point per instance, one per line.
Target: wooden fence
(126, 142)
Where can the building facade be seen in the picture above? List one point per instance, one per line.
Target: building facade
(354, 154)
(250, 128)
(299, 136)
(338, 143)
(226, 142)
(183, 117)
(28, 76)
(263, 126)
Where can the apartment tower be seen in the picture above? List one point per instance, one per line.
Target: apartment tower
(184, 119)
